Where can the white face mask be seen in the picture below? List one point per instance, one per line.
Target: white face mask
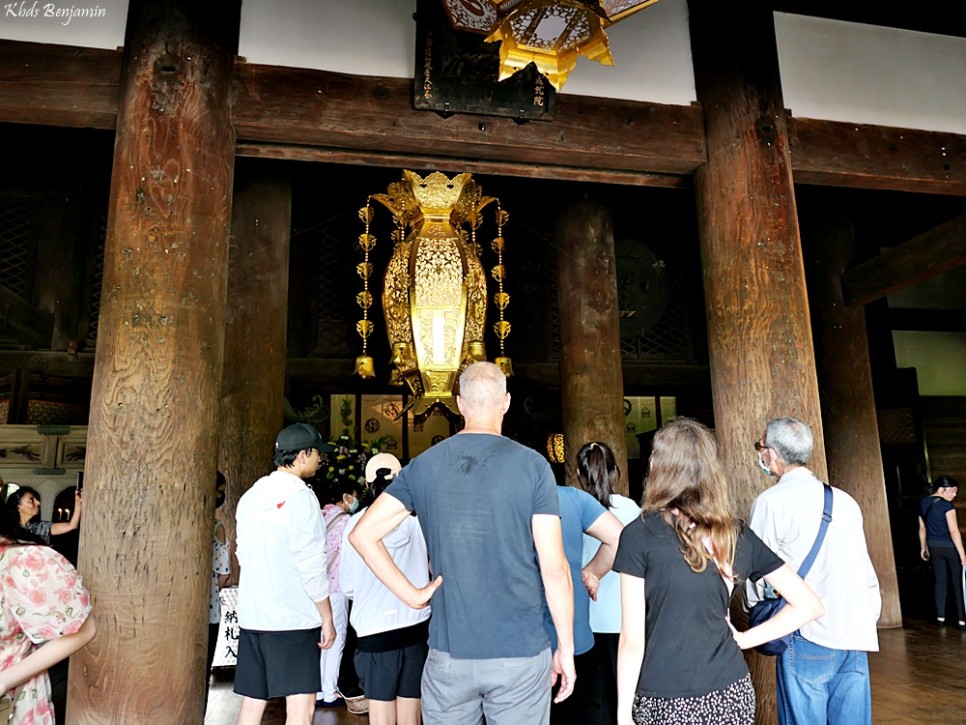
(761, 464)
(354, 506)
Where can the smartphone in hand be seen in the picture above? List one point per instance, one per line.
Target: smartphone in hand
(80, 482)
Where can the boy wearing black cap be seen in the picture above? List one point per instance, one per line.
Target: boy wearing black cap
(283, 591)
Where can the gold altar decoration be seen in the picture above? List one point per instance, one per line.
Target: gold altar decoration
(434, 288)
(555, 448)
(550, 33)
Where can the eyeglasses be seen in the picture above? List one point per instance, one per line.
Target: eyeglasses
(759, 446)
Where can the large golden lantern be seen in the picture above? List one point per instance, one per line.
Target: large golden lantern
(434, 289)
(550, 33)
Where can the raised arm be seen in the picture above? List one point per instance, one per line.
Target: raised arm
(559, 589)
(803, 606)
(64, 527)
(384, 515)
(630, 649)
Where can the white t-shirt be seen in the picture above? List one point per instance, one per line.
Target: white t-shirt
(605, 613)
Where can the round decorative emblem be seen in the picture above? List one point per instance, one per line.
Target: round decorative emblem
(372, 425)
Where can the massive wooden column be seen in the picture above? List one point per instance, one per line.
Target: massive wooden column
(145, 546)
(759, 332)
(254, 381)
(845, 381)
(592, 383)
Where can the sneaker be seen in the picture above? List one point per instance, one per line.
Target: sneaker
(357, 705)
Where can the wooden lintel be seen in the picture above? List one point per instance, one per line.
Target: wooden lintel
(44, 362)
(24, 322)
(277, 110)
(938, 250)
(447, 164)
(851, 155)
(58, 85)
(316, 108)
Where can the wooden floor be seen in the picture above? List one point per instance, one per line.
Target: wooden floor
(919, 676)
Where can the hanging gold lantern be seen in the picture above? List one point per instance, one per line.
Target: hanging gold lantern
(549, 33)
(435, 291)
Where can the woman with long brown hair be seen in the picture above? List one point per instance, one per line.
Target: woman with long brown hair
(691, 550)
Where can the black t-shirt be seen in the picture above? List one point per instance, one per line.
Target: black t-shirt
(689, 649)
(932, 510)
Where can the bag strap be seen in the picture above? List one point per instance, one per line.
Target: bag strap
(337, 517)
(822, 529)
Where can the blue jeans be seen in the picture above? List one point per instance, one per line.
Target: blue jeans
(818, 685)
(507, 691)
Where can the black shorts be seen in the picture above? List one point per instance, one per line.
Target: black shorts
(278, 664)
(384, 676)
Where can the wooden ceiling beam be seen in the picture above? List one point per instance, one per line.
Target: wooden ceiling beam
(850, 155)
(58, 85)
(316, 115)
(938, 250)
(314, 108)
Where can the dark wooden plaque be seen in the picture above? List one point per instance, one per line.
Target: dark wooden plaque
(457, 72)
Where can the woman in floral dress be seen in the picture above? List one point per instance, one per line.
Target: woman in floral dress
(42, 602)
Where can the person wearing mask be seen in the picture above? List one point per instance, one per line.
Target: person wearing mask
(344, 501)
(823, 676)
(941, 541)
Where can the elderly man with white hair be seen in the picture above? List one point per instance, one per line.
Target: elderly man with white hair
(823, 676)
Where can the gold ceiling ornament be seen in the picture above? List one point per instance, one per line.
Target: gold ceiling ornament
(549, 33)
(434, 288)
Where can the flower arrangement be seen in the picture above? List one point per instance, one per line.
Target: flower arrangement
(345, 467)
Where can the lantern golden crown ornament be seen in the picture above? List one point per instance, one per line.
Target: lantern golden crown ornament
(434, 289)
(549, 33)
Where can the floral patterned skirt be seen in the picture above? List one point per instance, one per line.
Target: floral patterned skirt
(734, 705)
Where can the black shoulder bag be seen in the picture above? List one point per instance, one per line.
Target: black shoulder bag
(768, 608)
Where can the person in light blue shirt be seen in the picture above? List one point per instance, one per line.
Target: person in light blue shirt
(598, 472)
(581, 515)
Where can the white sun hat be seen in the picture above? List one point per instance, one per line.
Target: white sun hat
(382, 460)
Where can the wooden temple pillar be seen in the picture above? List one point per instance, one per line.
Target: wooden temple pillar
(759, 332)
(253, 386)
(592, 382)
(145, 545)
(845, 382)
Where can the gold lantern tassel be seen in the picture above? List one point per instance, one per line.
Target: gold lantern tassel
(365, 366)
(501, 299)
